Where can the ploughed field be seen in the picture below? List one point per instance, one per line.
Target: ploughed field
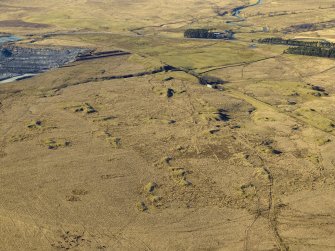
(132, 137)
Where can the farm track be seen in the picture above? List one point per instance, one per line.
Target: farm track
(259, 103)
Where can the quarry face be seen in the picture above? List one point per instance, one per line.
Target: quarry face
(16, 60)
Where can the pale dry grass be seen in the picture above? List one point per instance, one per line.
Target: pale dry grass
(260, 179)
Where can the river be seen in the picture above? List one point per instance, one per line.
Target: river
(237, 11)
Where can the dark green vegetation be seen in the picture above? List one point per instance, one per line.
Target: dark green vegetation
(312, 51)
(308, 48)
(210, 80)
(207, 34)
(292, 42)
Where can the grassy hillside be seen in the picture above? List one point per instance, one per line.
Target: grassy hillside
(111, 154)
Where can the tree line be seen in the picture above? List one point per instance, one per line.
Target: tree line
(308, 48)
(207, 34)
(292, 42)
(312, 51)
(197, 33)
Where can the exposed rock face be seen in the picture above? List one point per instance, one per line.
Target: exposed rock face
(16, 61)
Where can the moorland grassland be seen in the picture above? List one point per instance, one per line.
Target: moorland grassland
(120, 153)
